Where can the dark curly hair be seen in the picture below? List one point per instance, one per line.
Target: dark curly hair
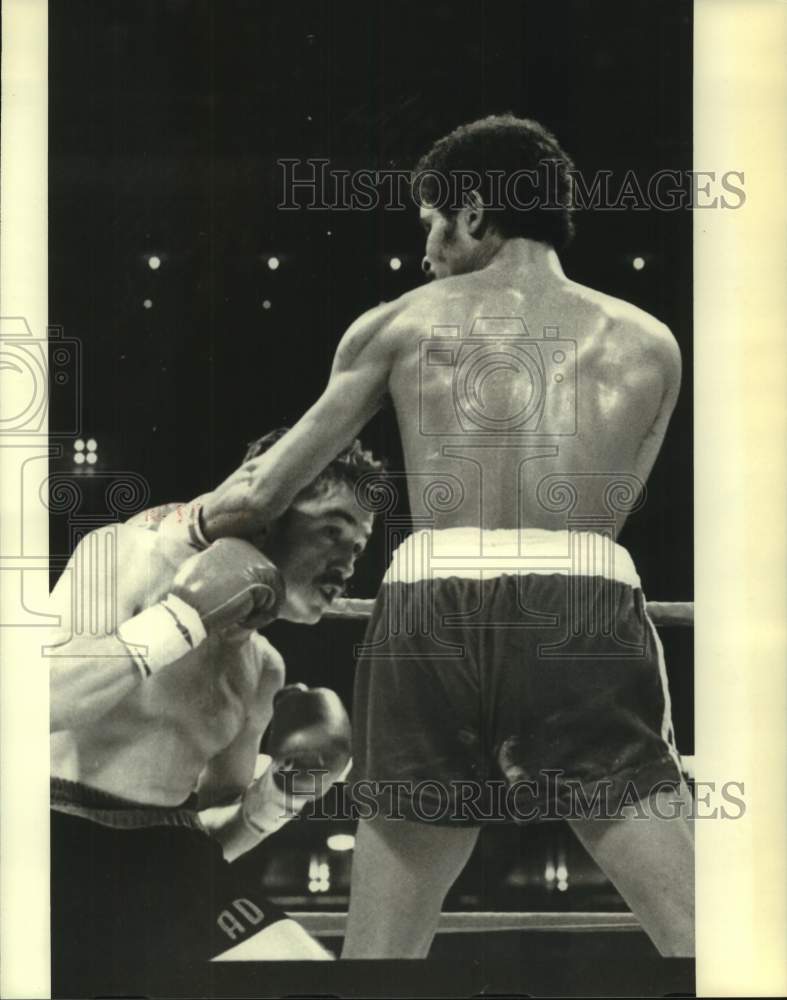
(517, 167)
(348, 467)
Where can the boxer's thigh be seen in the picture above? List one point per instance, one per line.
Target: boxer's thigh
(648, 854)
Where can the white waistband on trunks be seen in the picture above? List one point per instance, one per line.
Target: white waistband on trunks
(475, 553)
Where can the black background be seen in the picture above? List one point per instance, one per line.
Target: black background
(167, 118)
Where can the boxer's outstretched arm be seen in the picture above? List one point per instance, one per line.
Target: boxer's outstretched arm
(263, 488)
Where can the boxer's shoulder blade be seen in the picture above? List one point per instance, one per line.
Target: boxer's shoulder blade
(635, 351)
(613, 323)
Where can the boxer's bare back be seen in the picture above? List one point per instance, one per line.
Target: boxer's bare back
(508, 375)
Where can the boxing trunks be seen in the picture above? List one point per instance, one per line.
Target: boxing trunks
(510, 675)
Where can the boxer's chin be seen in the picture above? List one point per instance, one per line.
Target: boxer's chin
(301, 612)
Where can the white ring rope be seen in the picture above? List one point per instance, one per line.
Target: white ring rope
(334, 924)
(661, 613)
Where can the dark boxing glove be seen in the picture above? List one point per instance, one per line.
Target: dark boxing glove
(310, 739)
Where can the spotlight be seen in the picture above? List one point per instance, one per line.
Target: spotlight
(148, 304)
(91, 458)
(266, 303)
(273, 263)
(395, 264)
(319, 875)
(638, 263)
(154, 262)
(79, 457)
(79, 445)
(92, 444)
(340, 842)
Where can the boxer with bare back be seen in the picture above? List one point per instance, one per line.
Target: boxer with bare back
(531, 410)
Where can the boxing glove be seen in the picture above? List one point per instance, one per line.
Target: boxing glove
(229, 583)
(309, 739)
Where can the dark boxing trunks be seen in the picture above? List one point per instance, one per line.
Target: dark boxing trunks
(510, 675)
(136, 888)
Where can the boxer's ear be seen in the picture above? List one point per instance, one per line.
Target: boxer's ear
(474, 213)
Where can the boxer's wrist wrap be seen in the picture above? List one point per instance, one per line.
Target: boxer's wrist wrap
(268, 808)
(162, 634)
(185, 524)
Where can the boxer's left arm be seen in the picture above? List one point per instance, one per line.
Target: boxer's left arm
(264, 487)
(229, 773)
(309, 746)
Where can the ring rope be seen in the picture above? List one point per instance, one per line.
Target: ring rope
(662, 613)
(334, 924)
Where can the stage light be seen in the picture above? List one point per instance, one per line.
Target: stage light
(148, 304)
(638, 263)
(266, 303)
(273, 263)
(92, 444)
(79, 457)
(319, 874)
(91, 458)
(395, 264)
(79, 445)
(154, 262)
(340, 842)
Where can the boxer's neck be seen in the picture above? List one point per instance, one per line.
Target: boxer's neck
(523, 257)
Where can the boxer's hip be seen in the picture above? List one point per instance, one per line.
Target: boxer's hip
(483, 554)
(74, 798)
(457, 588)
